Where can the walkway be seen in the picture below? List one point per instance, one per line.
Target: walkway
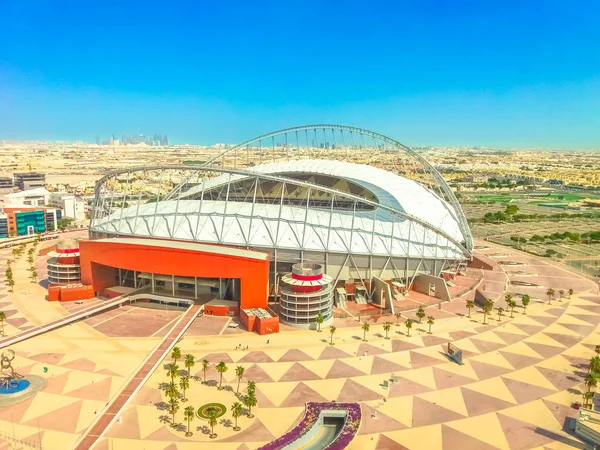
(89, 438)
(70, 318)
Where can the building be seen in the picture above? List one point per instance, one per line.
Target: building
(249, 235)
(71, 205)
(29, 180)
(6, 185)
(31, 197)
(24, 220)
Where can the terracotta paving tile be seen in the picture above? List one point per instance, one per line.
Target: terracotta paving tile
(485, 371)
(381, 365)
(340, 369)
(300, 395)
(519, 361)
(486, 346)
(294, 355)
(546, 321)
(547, 351)
(453, 439)
(419, 360)
(522, 435)
(332, 352)
(589, 318)
(299, 373)
(254, 433)
(354, 392)
(400, 345)
(256, 357)
(385, 443)
(445, 379)
(255, 373)
(560, 380)
(427, 413)
(370, 349)
(525, 392)
(379, 424)
(478, 403)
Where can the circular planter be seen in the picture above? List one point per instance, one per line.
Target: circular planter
(204, 411)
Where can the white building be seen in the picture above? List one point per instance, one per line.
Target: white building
(31, 197)
(72, 206)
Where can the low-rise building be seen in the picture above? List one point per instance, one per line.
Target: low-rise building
(29, 180)
(71, 205)
(31, 197)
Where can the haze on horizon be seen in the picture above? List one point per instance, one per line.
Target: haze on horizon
(494, 73)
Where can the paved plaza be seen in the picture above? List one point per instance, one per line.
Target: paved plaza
(513, 391)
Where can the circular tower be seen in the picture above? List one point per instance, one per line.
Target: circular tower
(305, 293)
(63, 264)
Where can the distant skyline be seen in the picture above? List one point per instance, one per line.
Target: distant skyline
(492, 73)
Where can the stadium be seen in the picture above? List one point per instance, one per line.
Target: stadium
(291, 224)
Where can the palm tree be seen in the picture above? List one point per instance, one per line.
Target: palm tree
(430, 321)
(508, 297)
(189, 362)
(398, 316)
(319, 319)
(251, 387)
(486, 310)
(2, 319)
(387, 327)
(500, 311)
(173, 371)
(205, 365)
(212, 421)
(175, 354)
(331, 333)
(512, 304)
(597, 349)
(11, 284)
(236, 411)
(33, 275)
(594, 365)
(171, 390)
(173, 408)
(570, 292)
(591, 381)
(550, 294)
(221, 368)
(365, 327)
(525, 301)
(239, 373)
(15, 252)
(408, 325)
(560, 295)
(184, 384)
(420, 313)
(470, 306)
(249, 402)
(188, 414)
(587, 396)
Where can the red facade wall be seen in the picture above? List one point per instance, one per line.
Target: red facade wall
(220, 310)
(96, 255)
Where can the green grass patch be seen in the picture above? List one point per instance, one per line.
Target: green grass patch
(205, 410)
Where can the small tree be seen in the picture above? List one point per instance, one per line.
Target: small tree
(398, 317)
(570, 292)
(594, 365)
(319, 320)
(487, 309)
(430, 321)
(205, 365)
(236, 411)
(387, 327)
(188, 414)
(15, 253)
(184, 384)
(511, 304)
(500, 311)
(591, 381)
(212, 421)
(470, 306)
(175, 354)
(550, 294)
(251, 387)
(239, 373)
(597, 349)
(408, 325)
(173, 408)
(33, 275)
(171, 390)
(365, 327)
(11, 284)
(221, 368)
(173, 371)
(331, 333)
(189, 362)
(2, 319)
(560, 295)
(525, 300)
(249, 402)
(420, 313)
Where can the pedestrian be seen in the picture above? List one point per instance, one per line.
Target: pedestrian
(268, 340)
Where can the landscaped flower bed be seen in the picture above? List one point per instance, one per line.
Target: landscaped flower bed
(313, 410)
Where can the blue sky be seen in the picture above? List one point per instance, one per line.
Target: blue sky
(501, 73)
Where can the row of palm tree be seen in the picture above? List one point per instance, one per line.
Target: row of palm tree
(591, 378)
(8, 274)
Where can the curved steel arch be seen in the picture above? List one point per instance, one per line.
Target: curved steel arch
(281, 179)
(450, 197)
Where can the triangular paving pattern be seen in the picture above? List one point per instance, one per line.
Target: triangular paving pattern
(63, 419)
(418, 360)
(547, 351)
(486, 346)
(81, 364)
(430, 341)
(591, 308)
(509, 338)
(593, 319)
(560, 380)
(556, 312)
(478, 403)
(529, 329)
(453, 439)
(262, 400)
(577, 362)
(299, 373)
(300, 395)
(485, 371)
(445, 379)
(147, 396)
(582, 330)
(519, 361)
(48, 358)
(427, 413)
(243, 447)
(460, 334)
(216, 358)
(407, 387)
(332, 352)
(163, 434)
(564, 339)
(521, 435)
(129, 431)
(382, 365)
(525, 392)
(15, 413)
(354, 392)
(294, 355)
(546, 321)
(255, 373)
(96, 391)
(369, 350)
(399, 345)
(56, 384)
(343, 370)
(257, 432)
(560, 412)
(256, 357)
(379, 424)
(385, 443)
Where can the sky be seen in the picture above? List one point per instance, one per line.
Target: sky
(505, 73)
